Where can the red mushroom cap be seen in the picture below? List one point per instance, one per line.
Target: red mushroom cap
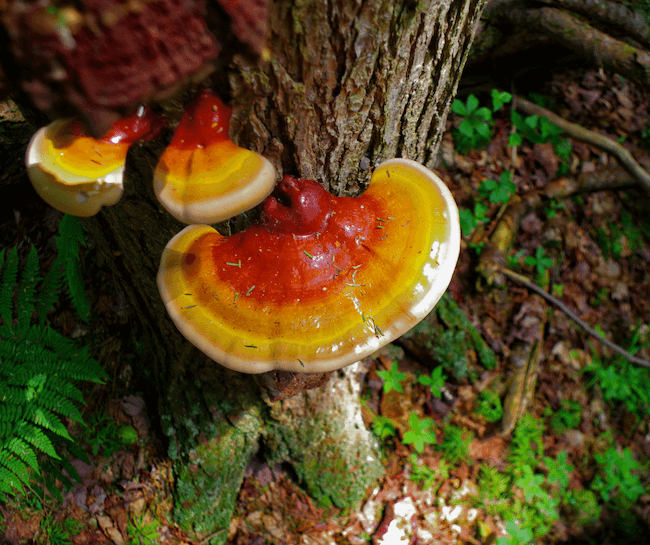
(78, 174)
(202, 177)
(321, 281)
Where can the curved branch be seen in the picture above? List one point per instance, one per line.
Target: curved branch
(630, 22)
(623, 156)
(578, 36)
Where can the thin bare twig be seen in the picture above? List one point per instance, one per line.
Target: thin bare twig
(559, 304)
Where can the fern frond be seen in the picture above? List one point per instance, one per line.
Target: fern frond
(7, 286)
(71, 231)
(82, 368)
(11, 411)
(6, 343)
(52, 340)
(35, 436)
(50, 421)
(13, 464)
(25, 301)
(38, 366)
(51, 398)
(9, 482)
(50, 290)
(77, 289)
(24, 451)
(67, 389)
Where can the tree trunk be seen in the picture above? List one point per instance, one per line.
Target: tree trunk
(350, 83)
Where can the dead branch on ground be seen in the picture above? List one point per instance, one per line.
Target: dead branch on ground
(559, 304)
(494, 253)
(623, 156)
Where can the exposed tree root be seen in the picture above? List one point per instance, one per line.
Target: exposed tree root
(629, 22)
(623, 156)
(579, 36)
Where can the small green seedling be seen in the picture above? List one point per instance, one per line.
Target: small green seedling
(455, 444)
(552, 208)
(498, 192)
(142, 532)
(514, 261)
(127, 435)
(383, 427)
(435, 381)
(470, 220)
(516, 535)
(567, 417)
(499, 98)
(392, 378)
(492, 484)
(58, 532)
(526, 447)
(425, 475)
(489, 406)
(102, 434)
(421, 433)
(622, 382)
(539, 130)
(583, 506)
(617, 471)
(422, 473)
(475, 129)
(612, 238)
(559, 470)
(539, 261)
(531, 484)
(494, 192)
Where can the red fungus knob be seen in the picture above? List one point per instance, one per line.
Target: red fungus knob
(297, 206)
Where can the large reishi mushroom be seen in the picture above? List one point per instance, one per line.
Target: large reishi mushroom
(202, 177)
(78, 174)
(321, 281)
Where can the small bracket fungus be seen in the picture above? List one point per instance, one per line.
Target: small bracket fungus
(78, 174)
(202, 177)
(321, 281)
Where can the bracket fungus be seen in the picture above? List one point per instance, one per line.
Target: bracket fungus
(321, 281)
(202, 177)
(78, 174)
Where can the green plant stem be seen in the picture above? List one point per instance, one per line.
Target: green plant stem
(623, 156)
(616, 348)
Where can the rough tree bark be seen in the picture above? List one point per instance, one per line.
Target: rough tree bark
(350, 83)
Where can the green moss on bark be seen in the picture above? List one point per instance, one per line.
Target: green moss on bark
(207, 484)
(322, 435)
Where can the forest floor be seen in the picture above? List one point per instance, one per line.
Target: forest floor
(549, 441)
